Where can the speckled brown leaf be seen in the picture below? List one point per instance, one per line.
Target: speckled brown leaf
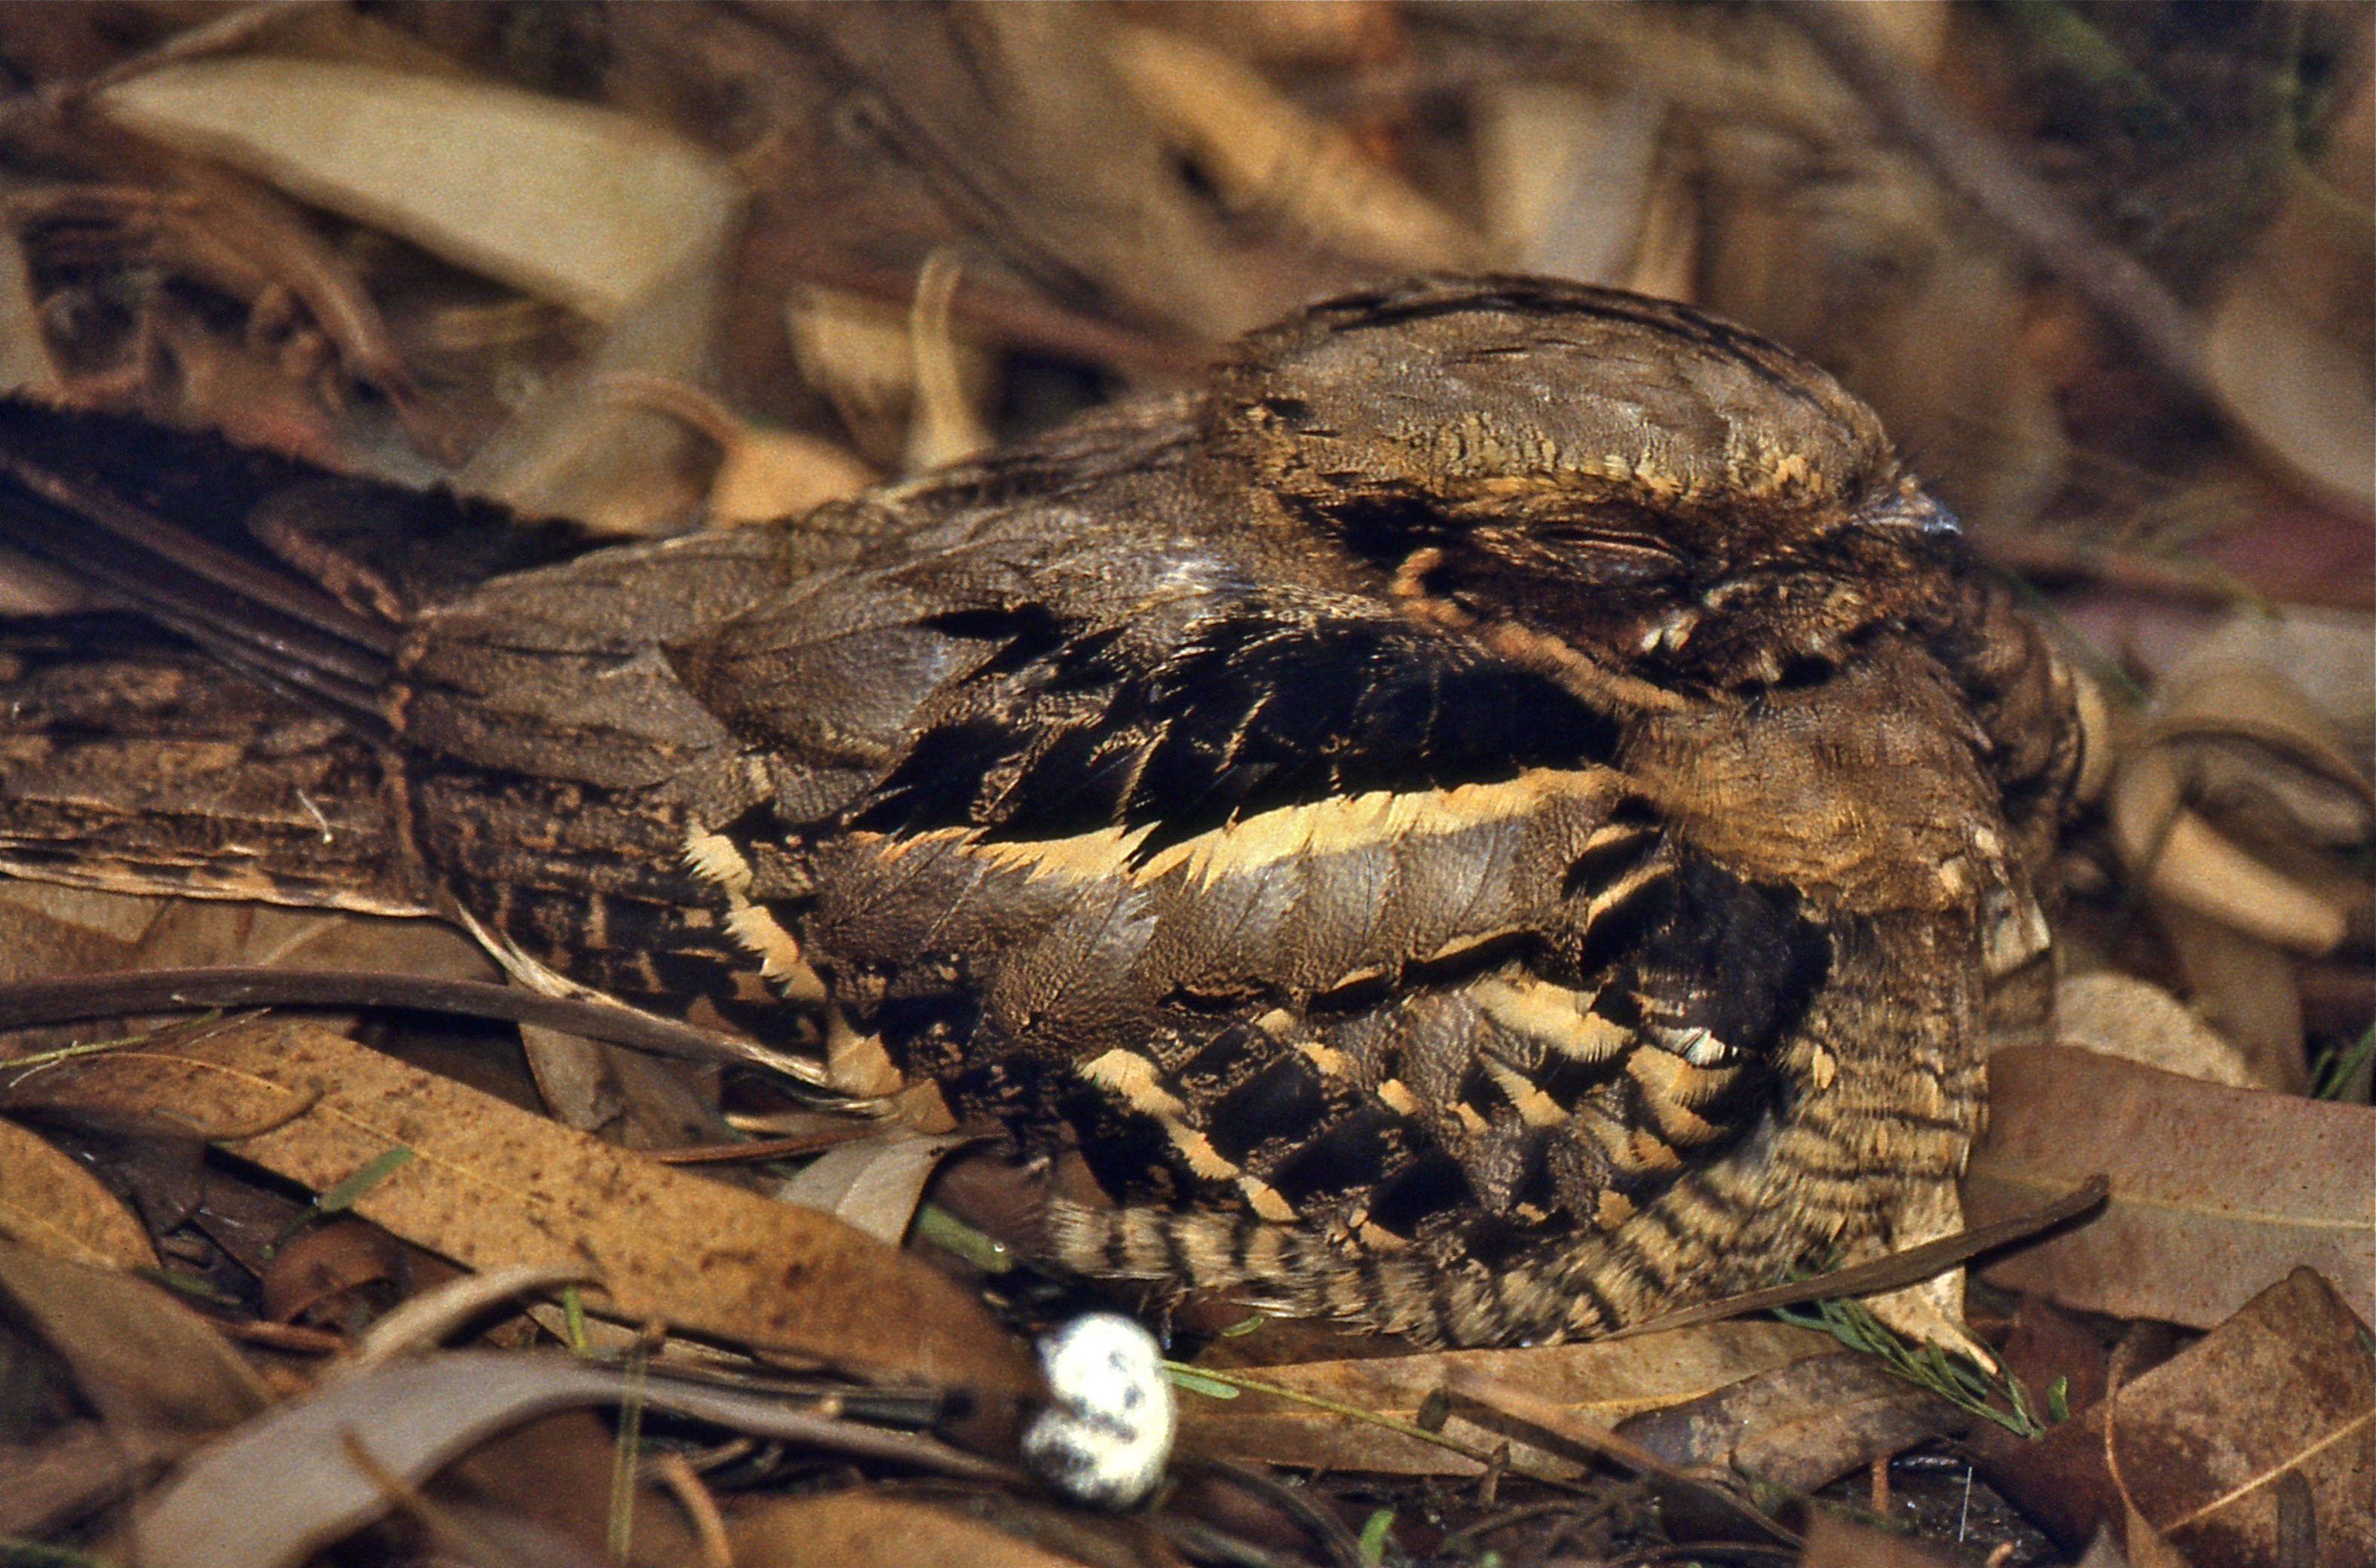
(489, 1184)
(49, 1202)
(2216, 1193)
(1607, 1380)
(1800, 1425)
(2206, 1442)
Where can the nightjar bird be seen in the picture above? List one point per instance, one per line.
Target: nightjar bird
(1505, 812)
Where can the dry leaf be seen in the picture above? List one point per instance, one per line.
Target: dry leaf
(571, 203)
(1265, 155)
(1604, 1381)
(1026, 133)
(61, 1477)
(51, 1204)
(2245, 989)
(2305, 396)
(1567, 175)
(315, 1277)
(290, 1482)
(158, 1375)
(858, 1529)
(2117, 1015)
(488, 1184)
(875, 1184)
(2215, 1192)
(1797, 1426)
(2204, 1442)
(762, 474)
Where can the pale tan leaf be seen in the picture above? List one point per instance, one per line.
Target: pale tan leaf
(2191, 863)
(762, 474)
(944, 425)
(1567, 175)
(2300, 391)
(2117, 1015)
(51, 1204)
(575, 204)
(1264, 154)
(488, 1185)
(1604, 1381)
(2215, 1192)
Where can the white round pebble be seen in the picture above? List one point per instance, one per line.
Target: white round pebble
(1107, 1430)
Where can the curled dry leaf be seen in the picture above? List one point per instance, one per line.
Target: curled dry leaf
(1604, 1381)
(427, 1317)
(762, 474)
(2215, 1192)
(1264, 154)
(291, 1481)
(51, 1204)
(2205, 1443)
(490, 1185)
(943, 426)
(2252, 777)
(2192, 864)
(2118, 1014)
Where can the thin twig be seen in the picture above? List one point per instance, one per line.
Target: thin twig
(24, 1003)
(1976, 166)
(1891, 1272)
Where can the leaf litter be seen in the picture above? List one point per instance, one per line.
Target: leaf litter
(1023, 210)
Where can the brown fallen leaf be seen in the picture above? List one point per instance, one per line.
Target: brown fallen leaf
(2215, 1192)
(1800, 1425)
(488, 1184)
(288, 1483)
(874, 1184)
(51, 1204)
(58, 1480)
(2204, 1443)
(158, 1376)
(858, 1529)
(322, 1274)
(1604, 1381)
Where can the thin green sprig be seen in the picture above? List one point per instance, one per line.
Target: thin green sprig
(1951, 1377)
(2336, 1069)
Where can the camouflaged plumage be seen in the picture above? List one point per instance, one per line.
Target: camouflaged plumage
(1505, 812)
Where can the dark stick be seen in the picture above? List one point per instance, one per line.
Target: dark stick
(24, 1003)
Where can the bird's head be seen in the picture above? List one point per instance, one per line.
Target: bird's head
(1651, 486)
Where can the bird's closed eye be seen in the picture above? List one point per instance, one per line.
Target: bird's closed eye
(1580, 554)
